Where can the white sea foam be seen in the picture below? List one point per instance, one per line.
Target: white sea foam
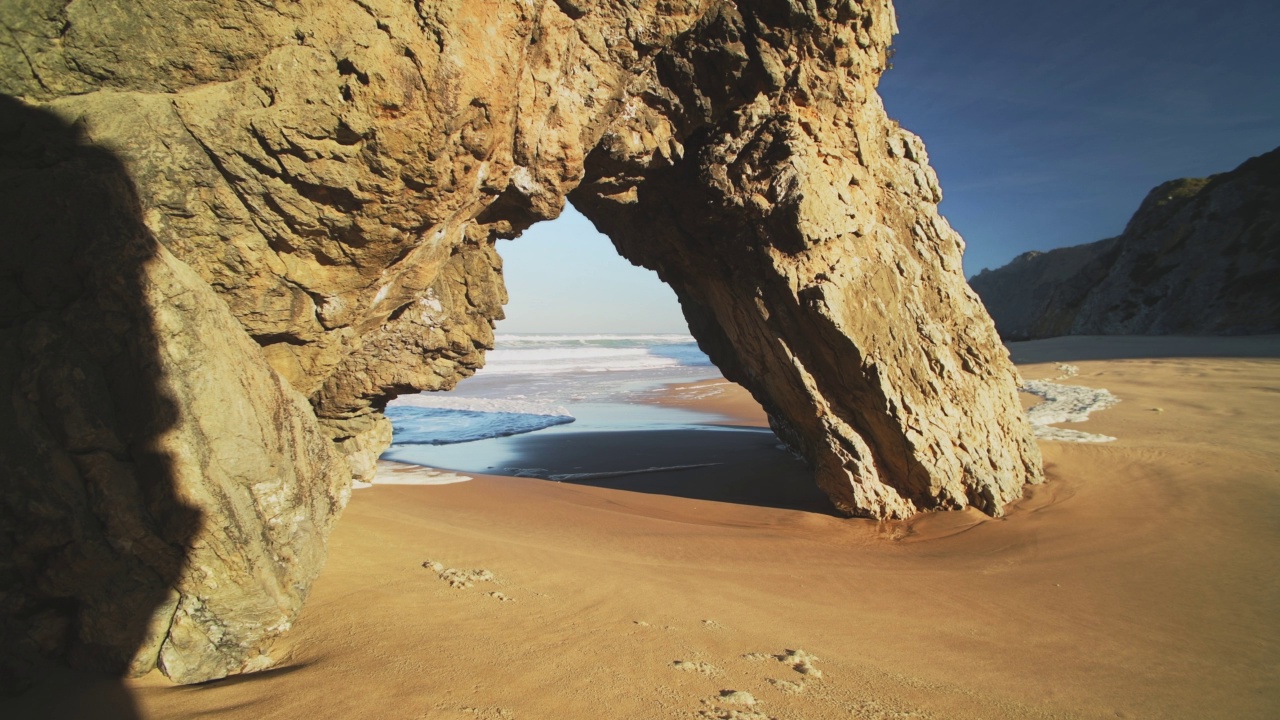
(444, 401)
(538, 361)
(570, 354)
(690, 393)
(402, 474)
(652, 339)
(1066, 403)
(431, 420)
(528, 380)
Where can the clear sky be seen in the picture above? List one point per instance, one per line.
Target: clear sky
(1046, 122)
(564, 277)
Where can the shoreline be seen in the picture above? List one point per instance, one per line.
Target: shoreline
(1138, 581)
(716, 396)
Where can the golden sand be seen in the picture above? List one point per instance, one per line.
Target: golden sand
(1141, 581)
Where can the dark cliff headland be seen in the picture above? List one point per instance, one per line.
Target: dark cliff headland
(1199, 257)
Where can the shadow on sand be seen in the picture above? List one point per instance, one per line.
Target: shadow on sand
(1076, 348)
(745, 466)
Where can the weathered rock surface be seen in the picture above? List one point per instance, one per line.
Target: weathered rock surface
(166, 496)
(1199, 257)
(319, 186)
(799, 228)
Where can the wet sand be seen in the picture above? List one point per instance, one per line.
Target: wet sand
(1141, 581)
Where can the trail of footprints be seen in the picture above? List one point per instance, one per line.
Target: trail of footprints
(463, 579)
(742, 705)
(730, 704)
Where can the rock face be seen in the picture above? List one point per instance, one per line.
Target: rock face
(270, 218)
(1199, 257)
(754, 169)
(166, 495)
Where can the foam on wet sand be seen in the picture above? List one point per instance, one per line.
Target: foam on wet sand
(394, 473)
(439, 419)
(1066, 403)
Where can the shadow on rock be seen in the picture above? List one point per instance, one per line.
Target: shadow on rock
(93, 534)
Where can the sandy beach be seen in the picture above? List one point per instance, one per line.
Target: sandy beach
(1139, 582)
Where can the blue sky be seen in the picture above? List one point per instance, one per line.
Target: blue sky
(1046, 122)
(564, 277)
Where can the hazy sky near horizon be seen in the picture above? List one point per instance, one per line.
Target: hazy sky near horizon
(1046, 122)
(564, 277)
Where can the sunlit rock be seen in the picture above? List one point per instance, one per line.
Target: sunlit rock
(323, 184)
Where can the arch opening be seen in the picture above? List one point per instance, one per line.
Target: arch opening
(595, 380)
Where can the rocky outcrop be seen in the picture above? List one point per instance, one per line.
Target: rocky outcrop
(1199, 257)
(166, 495)
(799, 228)
(296, 223)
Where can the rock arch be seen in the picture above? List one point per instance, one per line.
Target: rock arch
(337, 174)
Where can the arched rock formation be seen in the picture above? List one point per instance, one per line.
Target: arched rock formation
(307, 195)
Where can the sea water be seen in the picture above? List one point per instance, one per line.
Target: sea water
(547, 384)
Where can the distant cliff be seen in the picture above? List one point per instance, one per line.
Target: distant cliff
(1200, 256)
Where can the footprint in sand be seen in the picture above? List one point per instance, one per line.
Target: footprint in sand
(696, 666)
(787, 687)
(720, 713)
(738, 698)
(799, 660)
(462, 579)
(490, 713)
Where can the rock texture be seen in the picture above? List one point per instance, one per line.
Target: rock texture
(755, 170)
(166, 495)
(1199, 257)
(289, 218)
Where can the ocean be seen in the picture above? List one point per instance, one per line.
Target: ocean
(547, 384)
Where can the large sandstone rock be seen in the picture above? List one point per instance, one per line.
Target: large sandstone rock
(167, 495)
(755, 170)
(1199, 257)
(318, 186)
